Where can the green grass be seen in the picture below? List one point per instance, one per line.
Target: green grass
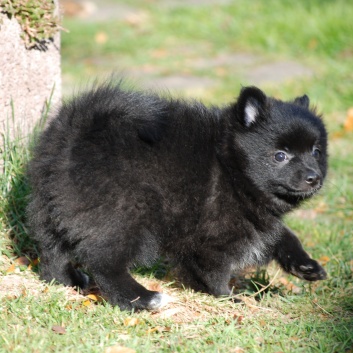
(290, 315)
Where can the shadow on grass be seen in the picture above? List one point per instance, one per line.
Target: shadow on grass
(14, 198)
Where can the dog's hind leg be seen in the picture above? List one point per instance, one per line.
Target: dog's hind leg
(111, 274)
(56, 265)
(122, 290)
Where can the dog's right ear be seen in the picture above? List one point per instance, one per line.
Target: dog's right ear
(303, 101)
(250, 105)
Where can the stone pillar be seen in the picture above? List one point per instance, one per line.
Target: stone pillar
(28, 78)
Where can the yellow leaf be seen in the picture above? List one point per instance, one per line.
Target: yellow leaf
(11, 269)
(336, 135)
(87, 303)
(101, 37)
(294, 338)
(159, 329)
(263, 323)
(119, 349)
(324, 260)
(159, 53)
(348, 124)
(284, 281)
(92, 297)
(132, 321)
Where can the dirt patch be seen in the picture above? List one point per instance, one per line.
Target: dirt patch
(16, 285)
(274, 72)
(96, 10)
(194, 84)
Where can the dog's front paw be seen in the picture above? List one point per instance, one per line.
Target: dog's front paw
(309, 270)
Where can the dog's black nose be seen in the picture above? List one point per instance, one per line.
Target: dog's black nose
(312, 178)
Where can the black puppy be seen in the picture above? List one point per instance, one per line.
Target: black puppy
(120, 177)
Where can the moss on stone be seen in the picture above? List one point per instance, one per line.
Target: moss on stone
(39, 20)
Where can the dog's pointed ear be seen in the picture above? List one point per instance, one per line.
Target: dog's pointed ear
(250, 105)
(302, 101)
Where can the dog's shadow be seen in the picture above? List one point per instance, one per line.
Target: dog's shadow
(15, 192)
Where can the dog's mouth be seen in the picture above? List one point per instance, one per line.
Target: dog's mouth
(292, 194)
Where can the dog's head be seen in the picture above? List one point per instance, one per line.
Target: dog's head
(283, 145)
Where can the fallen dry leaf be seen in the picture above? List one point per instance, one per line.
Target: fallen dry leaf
(59, 329)
(22, 261)
(237, 318)
(348, 124)
(237, 350)
(337, 135)
(92, 297)
(101, 37)
(11, 269)
(283, 280)
(119, 349)
(132, 321)
(87, 303)
(324, 260)
(290, 286)
(294, 338)
(166, 314)
(159, 329)
(154, 286)
(159, 53)
(322, 207)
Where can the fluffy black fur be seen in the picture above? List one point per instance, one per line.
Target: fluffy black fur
(121, 177)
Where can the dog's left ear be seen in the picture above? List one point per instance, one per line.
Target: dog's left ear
(303, 101)
(250, 105)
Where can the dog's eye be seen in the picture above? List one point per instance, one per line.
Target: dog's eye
(316, 153)
(280, 157)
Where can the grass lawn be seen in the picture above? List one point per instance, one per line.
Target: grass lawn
(221, 44)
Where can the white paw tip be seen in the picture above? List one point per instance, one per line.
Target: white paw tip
(160, 300)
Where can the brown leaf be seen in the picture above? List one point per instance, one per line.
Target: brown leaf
(59, 329)
(119, 349)
(238, 318)
(22, 261)
(290, 286)
(154, 286)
